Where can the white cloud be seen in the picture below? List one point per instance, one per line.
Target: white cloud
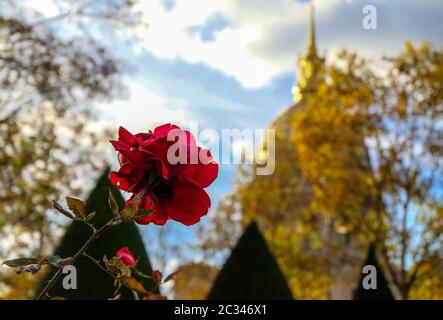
(236, 48)
(143, 110)
(262, 37)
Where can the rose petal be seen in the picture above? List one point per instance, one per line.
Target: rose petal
(156, 217)
(163, 130)
(201, 174)
(135, 157)
(187, 204)
(119, 145)
(126, 137)
(122, 183)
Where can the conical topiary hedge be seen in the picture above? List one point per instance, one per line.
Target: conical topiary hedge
(382, 292)
(93, 283)
(251, 272)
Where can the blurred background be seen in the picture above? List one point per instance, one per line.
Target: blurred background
(354, 92)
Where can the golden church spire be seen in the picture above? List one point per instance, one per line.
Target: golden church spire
(312, 47)
(310, 71)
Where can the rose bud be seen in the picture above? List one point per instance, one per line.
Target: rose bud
(126, 256)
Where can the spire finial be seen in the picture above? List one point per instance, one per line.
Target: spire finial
(310, 66)
(312, 48)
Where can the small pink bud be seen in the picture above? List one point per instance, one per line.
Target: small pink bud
(126, 256)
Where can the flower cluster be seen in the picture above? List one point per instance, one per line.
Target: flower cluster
(165, 187)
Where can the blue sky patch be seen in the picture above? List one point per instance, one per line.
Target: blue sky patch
(210, 28)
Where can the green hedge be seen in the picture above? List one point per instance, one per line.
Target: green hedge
(251, 272)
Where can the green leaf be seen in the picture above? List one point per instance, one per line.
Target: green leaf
(21, 262)
(56, 261)
(32, 268)
(112, 203)
(90, 216)
(131, 210)
(144, 213)
(60, 209)
(117, 266)
(24, 264)
(77, 207)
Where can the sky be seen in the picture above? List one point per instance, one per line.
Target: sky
(231, 63)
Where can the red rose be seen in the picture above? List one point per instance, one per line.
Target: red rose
(171, 188)
(126, 256)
